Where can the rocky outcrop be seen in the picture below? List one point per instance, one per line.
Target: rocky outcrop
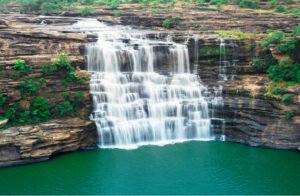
(33, 143)
(253, 118)
(39, 45)
(25, 38)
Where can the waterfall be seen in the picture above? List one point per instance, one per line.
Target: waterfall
(135, 102)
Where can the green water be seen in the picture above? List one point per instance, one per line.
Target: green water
(187, 168)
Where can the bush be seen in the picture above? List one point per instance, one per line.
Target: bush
(64, 108)
(41, 6)
(87, 10)
(167, 23)
(289, 115)
(278, 91)
(21, 67)
(39, 110)
(287, 98)
(218, 2)
(248, 4)
(296, 30)
(28, 86)
(288, 47)
(117, 12)
(280, 9)
(258, 65)
(274, 37)
(285, 73)
(2, 99)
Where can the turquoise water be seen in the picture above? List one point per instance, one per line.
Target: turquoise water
(187, 168)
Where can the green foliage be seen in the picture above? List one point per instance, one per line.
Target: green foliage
(28, 86)
(258, 65)
(39, 110)
(177, 20)
(66, 95)
(77, 102)
(167, 23)
(296, 30)
(1, 67)
(14, 75)
(262, 65)
(274, 37)
(218, 2)
(117, 12)
(248, 4)
(278, 91)
(43, 82)
(41, 6)
(280, 9)
(289, 115)
(21, 66)
(64, 108)
(64, 66)
(288, 47)
(284, 73)
(2, 99)
(287, 98)
(87, 10)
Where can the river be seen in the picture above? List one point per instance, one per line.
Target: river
(186, 168)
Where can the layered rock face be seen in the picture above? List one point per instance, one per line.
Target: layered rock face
(32, 143)
(38, 45)
(25, 38)
(251, 117)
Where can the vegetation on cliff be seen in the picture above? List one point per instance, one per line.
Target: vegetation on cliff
(34, 106)
(86, 6)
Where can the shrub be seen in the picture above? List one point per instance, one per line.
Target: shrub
(258, 65)
(64, 108)
(248, 4)
(177, 19)
(218, 2)
(167, 23)
(21, 67)
(39, 110)
(287, 98)
(278, 91)
(273, 2)
(117, 12)
(284, 73)
(87, 10)
(113, 3)
(43, 82)
(274, 37)
(289, 115)
(28, 86)
(280, 9)
(288, 47)
(2, 99)
(66, 95)
(296, 30)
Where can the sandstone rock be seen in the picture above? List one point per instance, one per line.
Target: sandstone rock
(21, 144)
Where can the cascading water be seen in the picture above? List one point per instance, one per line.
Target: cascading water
(134, 103)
